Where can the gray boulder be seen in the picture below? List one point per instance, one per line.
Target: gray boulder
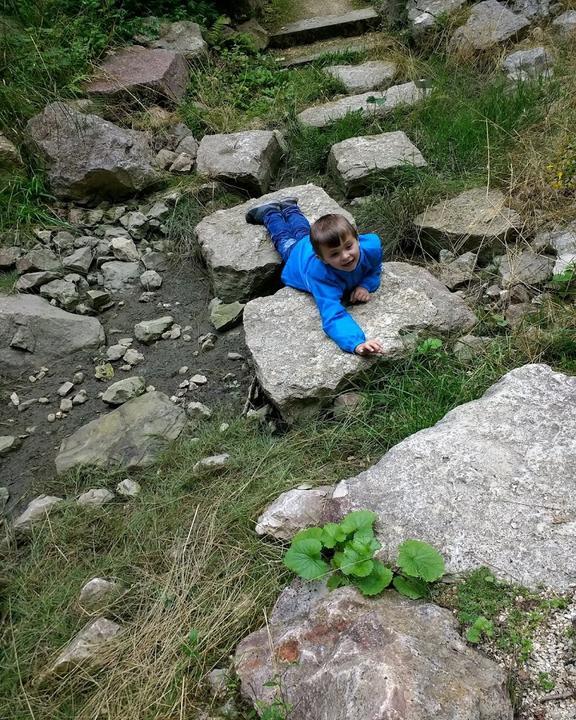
(119, 276)
(34, 280)
(98, 593)
(95, 497)
(36, 511)
(343, 656)
(9, 256)
(493, 483)
(388, 100)
(423, 14)
(8, 443)
(79, 261)
(458, 272)
(490, 23)
(371, 75)
(357, 162)
(293, 511)
(562, 242)
(240, 257)
(63, 292)
(40, 259)
(143, 73)
(149, 330)
(525, 266)
(565, 23)
(531, 9)
(53, 333)
(183, 37)
(225, 315)
(246, 159)
(131, 436)
(88, 648)
(124, 249)
(87, 157)
(301, 369)
(124, 390)
(525, 65)
(477, 220)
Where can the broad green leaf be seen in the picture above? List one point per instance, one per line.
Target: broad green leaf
(355, 563)
(481, 626)
(313, 533)
(418, 559)
(366, 537)
(358, 520)
(378, 580)
(411, 587)
(332, 534)
(305, 560)
(335, 581)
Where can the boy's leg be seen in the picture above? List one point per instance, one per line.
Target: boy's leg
(280, 232)
(297, 223)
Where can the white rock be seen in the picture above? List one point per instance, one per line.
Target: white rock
(80, 398)
(293, 511)
(124, 390)
(8, 443)
(96, 497)
(151, 280)
(36, 511)
(124, 249)
(98, 593)
(198, 411)
(128, 488)
(115, 352)
(214, 463)
(371, 75)
(133, 357)
(149, 330)
(87, 647)
(199, 379)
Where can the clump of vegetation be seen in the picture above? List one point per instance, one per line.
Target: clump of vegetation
(344, 553)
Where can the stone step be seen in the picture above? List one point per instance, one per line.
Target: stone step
(306, 54)
(397, 95)
(325, 26)
(300, 377)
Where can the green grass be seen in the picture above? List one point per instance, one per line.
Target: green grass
(223, 577)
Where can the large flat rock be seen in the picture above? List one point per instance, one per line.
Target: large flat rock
(493, 483)
(477, 220)
(341, 656)
(246, 159)
(240, 257)
(300, 368)
(89, 158)
(490, 23)
(131, 436)
(370, 75)
(34, 333)
(357, 162)
(139, 72)
(388, 100)
(325, 26)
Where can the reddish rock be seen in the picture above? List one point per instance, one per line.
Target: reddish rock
(141, 71)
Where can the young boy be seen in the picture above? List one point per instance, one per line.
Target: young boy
(327, 260)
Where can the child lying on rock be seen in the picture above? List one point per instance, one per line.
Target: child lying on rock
(327, 260)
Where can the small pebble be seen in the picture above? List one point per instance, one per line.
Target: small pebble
(65, 405)
(224, 427)
(43, 401)
(32, 379)
(183, 370)
(14, 399)
(150, 388)
(51, 417)
(78, 378)
(80, 398)
(64, 389)
(186, 338)
(184, 384)
(199, 379)
(234, 356)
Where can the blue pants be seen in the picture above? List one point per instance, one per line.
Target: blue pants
(286, 228)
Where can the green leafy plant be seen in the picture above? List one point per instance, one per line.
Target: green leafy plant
(546, 682)
(429, 346)
(278, 709)
(344, 554)
(480, 627)
(564, 283)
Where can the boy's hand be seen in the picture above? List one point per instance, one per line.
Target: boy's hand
(359, 295)
(370, 347)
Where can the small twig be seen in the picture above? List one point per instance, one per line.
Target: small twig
(566, 695)
(251, 391)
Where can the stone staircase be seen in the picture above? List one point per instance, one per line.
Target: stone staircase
(301, 32)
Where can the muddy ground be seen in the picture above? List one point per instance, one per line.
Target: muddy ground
(26, 470)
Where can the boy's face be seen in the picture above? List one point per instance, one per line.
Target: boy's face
(343, 257)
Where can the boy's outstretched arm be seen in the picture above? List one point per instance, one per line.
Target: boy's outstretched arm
(338, 324)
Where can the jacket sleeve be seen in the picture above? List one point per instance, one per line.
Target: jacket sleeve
(337, 323)
(371, 281)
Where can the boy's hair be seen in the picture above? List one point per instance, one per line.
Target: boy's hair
(329, 231)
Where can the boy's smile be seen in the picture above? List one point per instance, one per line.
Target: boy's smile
(343, 257)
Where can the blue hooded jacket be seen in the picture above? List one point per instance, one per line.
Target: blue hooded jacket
(305, 271)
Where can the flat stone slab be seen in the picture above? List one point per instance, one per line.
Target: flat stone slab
(49, 333)
(476, 220)
(525, 65)
(490, 23)
(300, 368)
(131, 436)
(246, 159)
(325, 26)
(396, 96)
(183, 37)
(240, 257)
(141, 72)
(371, 75)
(341, 656)
(493, 483)
(304, 54)
(355, 163)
